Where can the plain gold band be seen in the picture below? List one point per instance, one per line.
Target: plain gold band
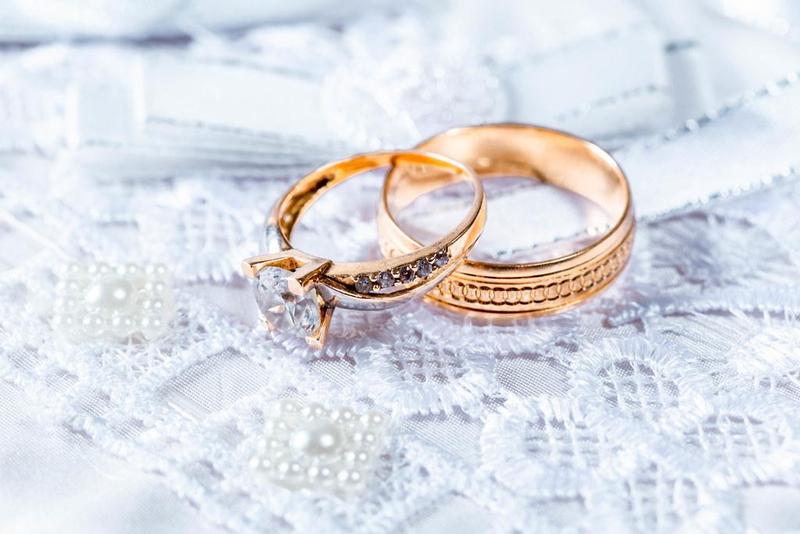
(554, 158)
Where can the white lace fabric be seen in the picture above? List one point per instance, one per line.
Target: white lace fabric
(657, 416)
(662, 404)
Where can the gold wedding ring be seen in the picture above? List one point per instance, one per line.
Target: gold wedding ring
(298, 292)
(554, 158)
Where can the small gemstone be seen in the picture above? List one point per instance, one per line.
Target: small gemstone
(385, 279)
(441, 259)
(423, 268)
(406, 274)
(363, 284)
(282, 308)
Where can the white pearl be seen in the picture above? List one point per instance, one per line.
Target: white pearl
(93, 325)
(317, 439)
(98, 268)
(288, 406)
(122, 325)
(111, 294)
(150, 325)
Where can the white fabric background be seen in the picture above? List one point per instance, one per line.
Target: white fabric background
(173, 151)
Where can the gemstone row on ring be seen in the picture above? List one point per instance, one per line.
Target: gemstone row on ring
(405, 274)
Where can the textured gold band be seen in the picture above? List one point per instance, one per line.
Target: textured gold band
(555, 158)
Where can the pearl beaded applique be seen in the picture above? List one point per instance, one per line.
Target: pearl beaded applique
(101, 302)
(319, 448)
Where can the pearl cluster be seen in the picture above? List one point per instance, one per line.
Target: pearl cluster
(318, 448)
(98, 301)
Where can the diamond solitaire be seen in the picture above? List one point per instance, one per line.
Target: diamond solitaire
(299, 314)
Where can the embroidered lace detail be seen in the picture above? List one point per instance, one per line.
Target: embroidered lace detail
(652, 407)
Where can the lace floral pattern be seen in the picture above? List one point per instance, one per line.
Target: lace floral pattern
(654, 407)
(639, 422)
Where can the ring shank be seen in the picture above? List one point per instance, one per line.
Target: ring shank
(341, 281)
(313, 185)
(546, 155)
(554, 158)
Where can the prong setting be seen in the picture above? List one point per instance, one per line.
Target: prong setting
(283, 260)
(304, 277)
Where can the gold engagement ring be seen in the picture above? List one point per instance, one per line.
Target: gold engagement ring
(297, 292)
